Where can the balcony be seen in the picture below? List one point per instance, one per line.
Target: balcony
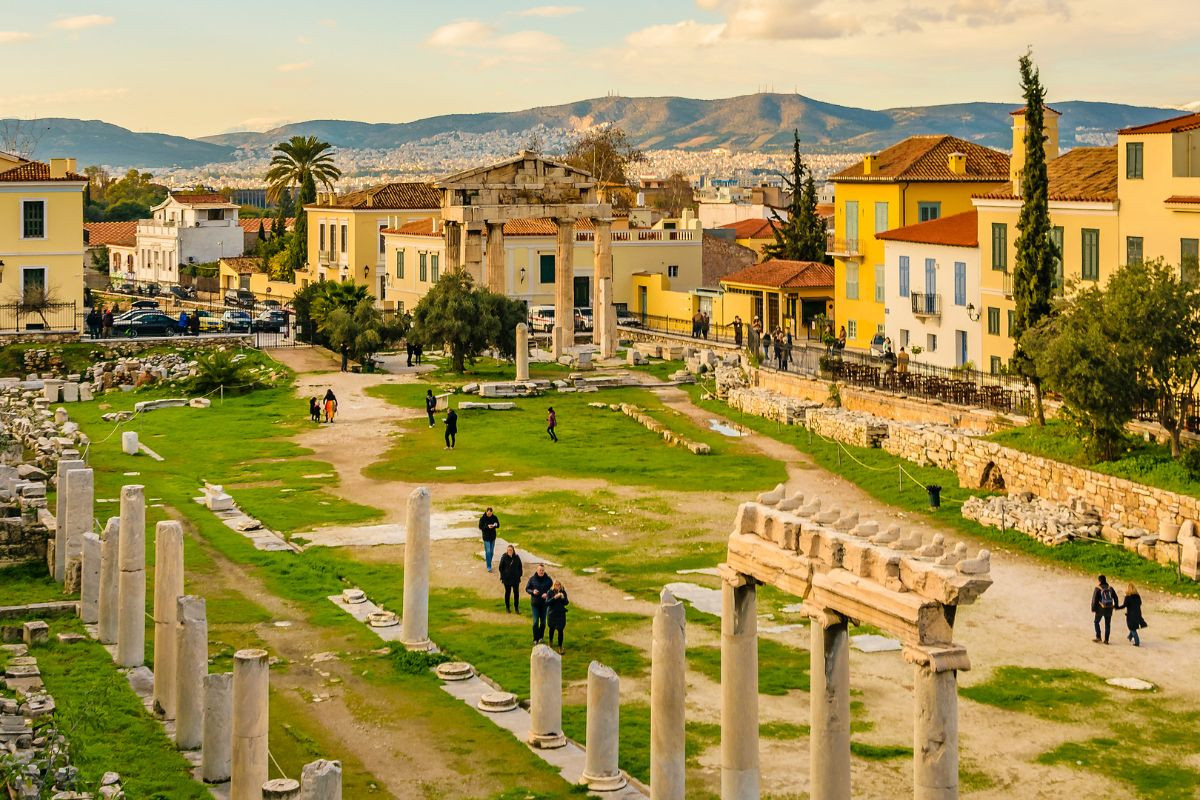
(643, 235)
(926, 305)
(843, 248)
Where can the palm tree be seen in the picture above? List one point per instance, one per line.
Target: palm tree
(302, 161)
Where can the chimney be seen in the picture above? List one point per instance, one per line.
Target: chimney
(958, 163)
(1016, 166)
(869, 164)
(70, 165)
(58, 168)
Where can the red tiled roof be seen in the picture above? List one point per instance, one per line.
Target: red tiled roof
(1020, 112)
(36, 172)
(825, 210)
(781, 274)
(1085, 174)
(927, 158)
(106, 233)
(389, 196)
(204, 199)
(1187, 122)
(418, 227)
(751, 229)
(250, 224)
(956, 230)
(1183, 198)
(541, 227)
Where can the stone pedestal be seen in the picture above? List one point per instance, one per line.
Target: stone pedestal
(935, 734)
(739, 690)
(829, 694)
(601, 772)
(321, 780)
(168, 586)
(110, 581)
(522, 351)
(65, 465)
(281, 789)
(558, 341)
(494, 267)
(415, 619)
(668, 690)
(89, 592)
(251, 683)
(191, 666)
(131, 559)
(602, 270)
(129, 443)
(564, 284)
(80, 491)
(216, 757)
(545, 698)
(606, 323)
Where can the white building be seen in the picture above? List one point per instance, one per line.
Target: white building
(184, 229)
(931, 290)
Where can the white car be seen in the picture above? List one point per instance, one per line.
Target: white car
(541, 318)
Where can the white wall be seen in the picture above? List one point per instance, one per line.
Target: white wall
(714, 215)
(953, 318)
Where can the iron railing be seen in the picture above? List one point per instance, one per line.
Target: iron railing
(926, 305)
(842, 247)
(47, 317)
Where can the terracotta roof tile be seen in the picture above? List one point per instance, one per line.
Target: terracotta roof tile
(1187, 122)
(106, 233)
(751, 229)
(541, 227)
(201, 199)
(1183, 198)
(389, 196)
(927, 158)
(418, 227)
(781, 274)
(36, 171)
(250, 224)
(956, 230)
(1020, 112)
(1085, 174)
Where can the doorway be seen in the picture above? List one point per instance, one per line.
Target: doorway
(583, 293)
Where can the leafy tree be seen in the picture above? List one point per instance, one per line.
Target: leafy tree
(125, 211)
(302, 161)
(802, 236)
(460, 316)
(315, 304)
(362, 329)
(101, 259)
(1034, 271)
(508, 313)
(676, 195)
(606, 153)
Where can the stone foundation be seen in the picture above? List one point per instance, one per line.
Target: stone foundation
(654, 426)
(851, 427)
(769, 405)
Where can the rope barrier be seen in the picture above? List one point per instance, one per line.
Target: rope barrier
(276, 763)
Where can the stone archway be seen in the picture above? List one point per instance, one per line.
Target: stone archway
(992, 479)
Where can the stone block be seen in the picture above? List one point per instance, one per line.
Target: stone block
(129, 443)
(35, 632)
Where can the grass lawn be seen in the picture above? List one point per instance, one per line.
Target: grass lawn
(489, 370)
(28, 583)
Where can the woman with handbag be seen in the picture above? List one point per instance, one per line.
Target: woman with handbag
(1133, 614)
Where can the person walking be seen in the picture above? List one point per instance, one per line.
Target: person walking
(551, 424)
(705, 322)
(1133, 614)
(556, 613)
(451, 428)
(841, 338)
(330, 405)
(408, 351)
(194, 323)
(1104, 600)
(489, 523)
(510, 576)
(430, 405)
(182, 325)
(902, 362)
(538, 588)
(737, 331)
(107, 324)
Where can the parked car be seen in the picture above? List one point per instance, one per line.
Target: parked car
(877, 344)
(144, 304)
(240, 298)
(210, 322)
(236, 321)
(541, 318)
(128, 288)
(628, 318)
(184, 292)
(270, 322)
(583, 318)
(271, 304)
(145, 323)
(152, 290)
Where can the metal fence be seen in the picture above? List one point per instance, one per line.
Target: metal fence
(20, 317)
(725, 334)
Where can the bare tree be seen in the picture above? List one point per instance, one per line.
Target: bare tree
(20, 137)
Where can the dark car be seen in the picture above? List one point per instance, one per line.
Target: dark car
(270, 322)
(128, 288)
(239, 298)
(236, 321)
(271, 304)
(149, 304)
(184, 293)
(152, 290)
(145, 323)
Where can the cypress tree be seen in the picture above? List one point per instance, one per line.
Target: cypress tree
(802, 236)
(1033, 270)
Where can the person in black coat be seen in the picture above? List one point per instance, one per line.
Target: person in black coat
(451, 429)
(556, 615)
(510, 575)
(489, 523)
(1133, 614)
(430, 405)
(1104, 600)
(538, 589)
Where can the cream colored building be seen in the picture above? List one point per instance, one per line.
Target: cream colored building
(184, 229)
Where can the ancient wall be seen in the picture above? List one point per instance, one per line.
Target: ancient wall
(851, 427)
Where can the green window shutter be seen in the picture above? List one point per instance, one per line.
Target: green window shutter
(546, 267)
(1000, 246)
(881, 217)
(1090, 266)
(400, 263)
(1012, 318)
(1133, 249)
(424, 266)
(993, 321)
(1189, 260)
(879, 295)
(433, 267)
(851, 281)
(1133, 160)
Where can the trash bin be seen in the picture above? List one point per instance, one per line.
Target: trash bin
(935, 495)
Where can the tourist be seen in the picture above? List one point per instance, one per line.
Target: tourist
(696, 323)
(902, 362)
(1133, 614)
(488, 524)
(418, 350)
(430, 405)
(451, 429)
(314, 409)
(737, 331)
(408, 351)
(194, 323)
(510, 575)
(841, 338)
(330, 405)
(183, 323)
(551, 424)
(345, 357)
(95, 320)
(538, 589)
(556, 613)
(766, 348)
(1104, 600)
(107, 323)
(705, 321)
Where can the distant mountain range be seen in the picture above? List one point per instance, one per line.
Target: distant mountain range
(751, 122)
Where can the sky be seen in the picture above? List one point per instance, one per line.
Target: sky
(195, 69)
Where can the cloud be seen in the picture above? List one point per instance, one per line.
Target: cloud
(63, 98)
(14, 37)
(485, 39)
(296, 66)
(784, 20)
(461, 33)
(687, 33)
(550, 11)
(82, 22)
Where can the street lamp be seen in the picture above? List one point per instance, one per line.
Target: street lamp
(972, 312)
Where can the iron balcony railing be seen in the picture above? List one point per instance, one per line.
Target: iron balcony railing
(847, 248)
(926, 305)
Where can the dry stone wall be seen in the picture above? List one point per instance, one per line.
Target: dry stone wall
(769, 405)
(851, 427)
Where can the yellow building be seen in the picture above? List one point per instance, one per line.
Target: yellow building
(786, 295)
(1158, 177)
(919, 179)
(247, 272)
(41, 244)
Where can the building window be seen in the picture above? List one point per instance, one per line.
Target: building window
(1133, 249)
(344, 237)
(1012, 322)
(879, 298)
(400, 307)
(673, 271)
(546, 267)
(960, 283)
(904, 276)
(1090, 266)
(33, 219)
(904, 337)
(321, 236)
(1189, 261)
(995, 365)
(993, 320)
(1133, 160)
(852, 329)
(1000, 246)
(852, 281)
(381, 229)
(928, 211)
(1056, 239)
(33, 283)
(433, 267)
(423, 267)
(931, 342)
(399, 263)
(881, 217)
(930, 276)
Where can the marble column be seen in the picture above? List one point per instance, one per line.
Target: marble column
(545, 698)
(110, 581)
(414, 632)
(131, 558)
(216, 755)
(80, 491)
(522, 351)
(191, 666)
(65, 465)
(607, 323)
(89, 584)
(739, 689)
(935, 733)
(281, 789)
(829, 694)
(494, 269)
(601, 772)
(473, 254)
(668, 691)
(168, 586)
(603, 269)
(251, 689)
(564, 287)
(453, 244)
(321, 780)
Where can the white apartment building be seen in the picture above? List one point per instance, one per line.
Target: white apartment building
(930, 290)
(184, 229)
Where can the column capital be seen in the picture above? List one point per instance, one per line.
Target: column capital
(736, 579)
(938, 658)
(825, 617)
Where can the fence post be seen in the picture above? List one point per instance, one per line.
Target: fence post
(900, 476)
